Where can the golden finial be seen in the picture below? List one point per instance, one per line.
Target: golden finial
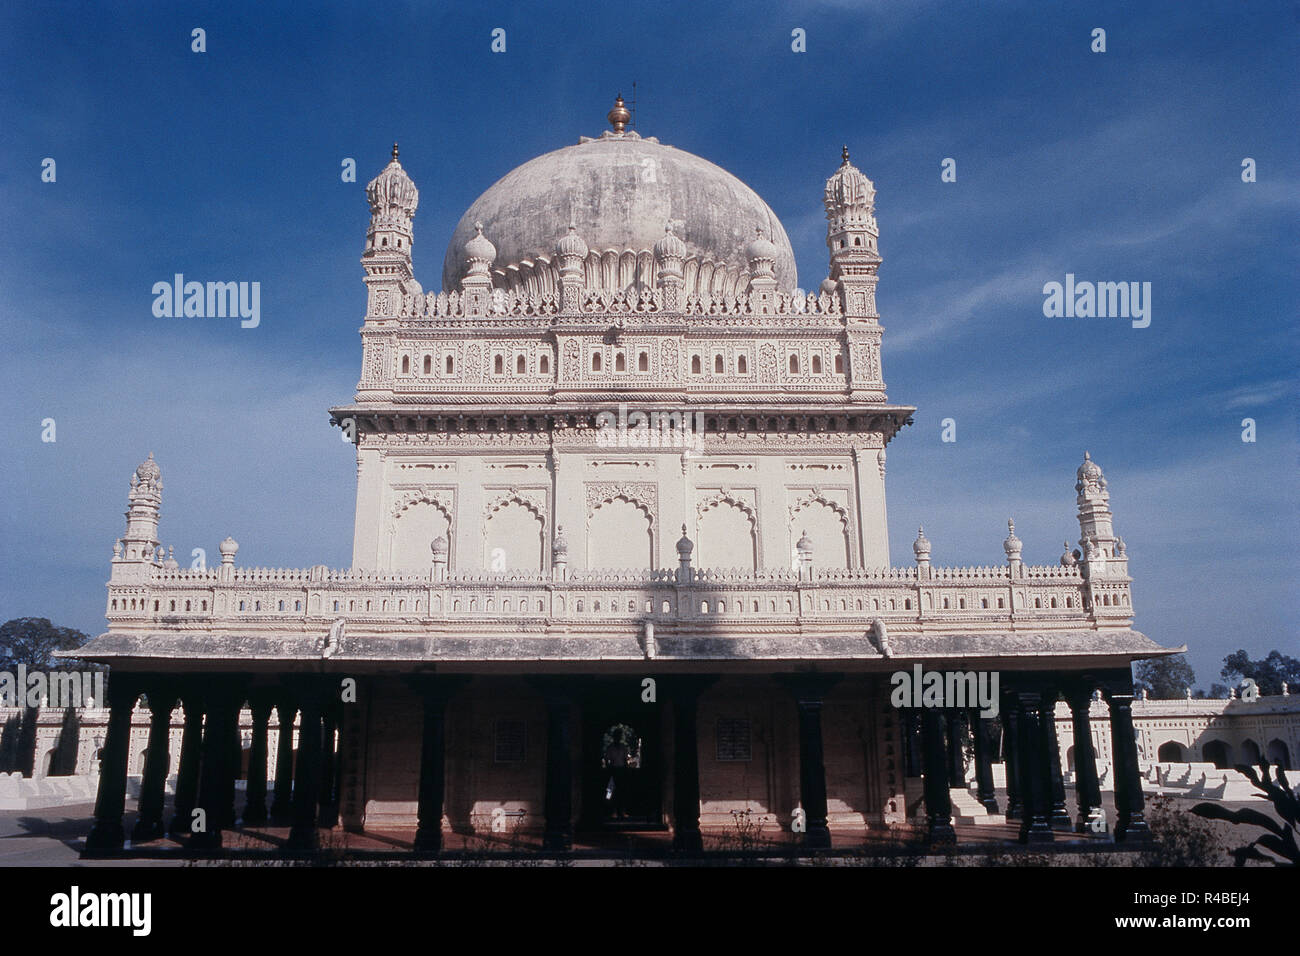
(844, 156)
(619, 116)
(394, 152)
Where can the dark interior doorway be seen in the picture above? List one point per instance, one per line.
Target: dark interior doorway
(622, 759)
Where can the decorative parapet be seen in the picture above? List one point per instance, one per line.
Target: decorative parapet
(281, 596)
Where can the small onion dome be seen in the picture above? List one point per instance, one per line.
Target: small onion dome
(921, 546)
(1068, 559)
(148, 470)
(439, 547)
(1089, 469)
(171, 561)
(570, 244)
(670, 246)
(849, 194)
(228, 547)
(1012, 545)
(804, 544)
(828, 286)
(685, 546)
(761, 253)
(479, 251)
(560, 547)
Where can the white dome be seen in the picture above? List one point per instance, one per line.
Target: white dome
(620, 191)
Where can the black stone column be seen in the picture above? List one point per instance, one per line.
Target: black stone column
(153, 788)
(434, 693)
(329, 810)
(255, 794)
(1129, 801)
(107, 835)
(984, 730)
(187, 774)
(303, 834)
(1086, 785)
(1011, 756)
(956, 748)
(686, 762)
(809, 692)
(938, 802)
(217, 777)
(1034, 822)
(1059, 816)
(282, 804)
(558, 834)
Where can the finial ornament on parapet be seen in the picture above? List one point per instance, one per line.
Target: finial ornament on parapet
(921, 548)
(1103, 551)
(852, 237)
(144, 508)
(1013, 547)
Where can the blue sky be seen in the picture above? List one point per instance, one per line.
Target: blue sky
(1118, 166)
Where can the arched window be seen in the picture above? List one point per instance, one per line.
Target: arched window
(695, 365)
(742, 366)
(406, 365)
(595, 361)
(450, 365)
(620, 362)
(544, 364)
(717, 364)
(643, 362)
(816, 364)
(428, 364)
(521, 365)
(794, 365)
(839, 365)
(499, 365)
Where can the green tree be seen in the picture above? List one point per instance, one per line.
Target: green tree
(1165, 678)
(32, 641)
(1268, 673)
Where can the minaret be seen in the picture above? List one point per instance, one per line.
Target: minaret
(387, 259)
(137, 550)
(1103, 552)
(851, 237)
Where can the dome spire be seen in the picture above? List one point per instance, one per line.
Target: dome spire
(844, 154)
(619, 116)
(394, 152)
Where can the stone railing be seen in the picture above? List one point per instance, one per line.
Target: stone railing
(614, 301)
(942, 595)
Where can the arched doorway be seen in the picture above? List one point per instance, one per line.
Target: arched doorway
(1250, 753)
(1278, 754)
(622, 760)
(1171, 752)
(1216, 752)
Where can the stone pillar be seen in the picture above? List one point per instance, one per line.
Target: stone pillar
(1059, 816)
(434, 693)
(329, 808)
(255, 804)
(153, 788)
(282, 803)
(1011, 755)
(1086, 785)
(686, 763)
(1129, 802)
(984, 730)
(956, 748)
(187, 774)
(1033, 774)
(107, 835)
(935, 755)
(217, 776)
(809, 691)
(306, 785)
(558, 835)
